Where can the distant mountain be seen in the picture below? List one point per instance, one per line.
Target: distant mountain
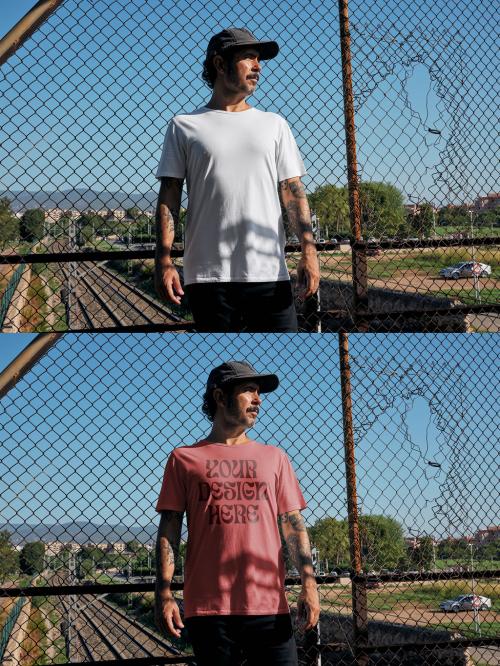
(80, 532)
(80, 199)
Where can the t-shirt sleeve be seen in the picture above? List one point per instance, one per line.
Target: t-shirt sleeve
(289, 494)
(173, 156)
(289, 161)
(173, 490)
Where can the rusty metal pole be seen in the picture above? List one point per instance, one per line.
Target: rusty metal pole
(24, 28)
(26, 360)
(359, 599)
(359, 265)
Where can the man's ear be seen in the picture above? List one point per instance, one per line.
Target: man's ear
(219, 64)
(219, 396)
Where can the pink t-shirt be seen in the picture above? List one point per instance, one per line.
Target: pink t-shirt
(232, 496)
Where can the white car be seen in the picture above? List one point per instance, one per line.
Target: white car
(465, 602)
(466, 269)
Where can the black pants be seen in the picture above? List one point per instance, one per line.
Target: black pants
(231, 307)
(225, 640)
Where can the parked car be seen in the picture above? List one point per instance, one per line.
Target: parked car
(466, 269)
(465, 602)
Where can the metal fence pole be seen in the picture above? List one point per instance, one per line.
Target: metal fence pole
(24, 28)
(26, 360)
(359, 266)
(359, 600)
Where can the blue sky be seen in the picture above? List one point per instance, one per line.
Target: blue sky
(96, 116)
(86, 433)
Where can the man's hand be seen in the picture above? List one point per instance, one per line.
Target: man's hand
(308, 606)
(167, 614)
(167, 282)
(308, 274)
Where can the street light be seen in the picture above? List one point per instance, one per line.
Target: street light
(474, 272)
(474, 605)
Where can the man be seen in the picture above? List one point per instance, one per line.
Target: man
(235, 491)
(238, 163)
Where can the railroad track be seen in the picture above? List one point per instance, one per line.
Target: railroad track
(102, 632)
(100, 298)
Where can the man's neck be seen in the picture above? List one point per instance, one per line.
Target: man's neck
(224, 102)
(229, 436)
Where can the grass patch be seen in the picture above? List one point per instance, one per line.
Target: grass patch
(479, 232)
(430, 262)
(468, 629)
(430, 595)
(468, 296)
(35, 312)
(34, 646)
(479, 565)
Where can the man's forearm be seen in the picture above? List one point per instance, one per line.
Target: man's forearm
(294, 197)
(167, 547)
(165, 231)
(167, 216)
(297, 541)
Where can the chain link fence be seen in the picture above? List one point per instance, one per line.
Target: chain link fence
(87, 99)
(405, 453)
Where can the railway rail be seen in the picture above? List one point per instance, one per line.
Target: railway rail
(99, 298)
(99, 631)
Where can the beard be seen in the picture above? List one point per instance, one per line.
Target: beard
(236, 415)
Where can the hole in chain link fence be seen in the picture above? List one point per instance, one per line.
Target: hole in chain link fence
(87, 100)
(86, 434)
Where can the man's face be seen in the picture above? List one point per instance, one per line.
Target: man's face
(242, 74)
(242, 405)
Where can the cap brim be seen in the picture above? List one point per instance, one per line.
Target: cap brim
(267, 50)
(267, 383)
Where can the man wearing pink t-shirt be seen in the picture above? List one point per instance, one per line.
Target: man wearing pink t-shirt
(235, 491)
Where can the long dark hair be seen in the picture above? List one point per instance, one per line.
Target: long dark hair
(210, 73)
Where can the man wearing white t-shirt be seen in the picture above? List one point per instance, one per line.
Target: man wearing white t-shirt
(238, 163)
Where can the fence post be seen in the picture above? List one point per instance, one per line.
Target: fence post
(26, 360)
(358, 581)
(24, 28)
(358, 247)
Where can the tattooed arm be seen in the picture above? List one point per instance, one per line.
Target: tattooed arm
(294, 200)
(168, 617)
(295, 535)
(167, 282)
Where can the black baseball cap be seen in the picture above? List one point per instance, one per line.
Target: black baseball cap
(235, 38)
(237, 371)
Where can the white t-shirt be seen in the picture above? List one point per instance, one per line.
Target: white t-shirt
(232, 163)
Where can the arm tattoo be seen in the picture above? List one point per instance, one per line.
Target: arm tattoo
(168, 542)
(296, 188)
(299, 551)
(298, 218)
(295, 519)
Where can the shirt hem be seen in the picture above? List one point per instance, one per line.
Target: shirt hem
(208, 280)
(237, 612)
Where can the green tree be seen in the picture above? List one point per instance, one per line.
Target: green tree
(421, 556)
(31, 560)
(32, 224)
(331, 205)
(9, 224)
(382, 542)
(382, 210)
(9, 558)
(331, 538)
(422, 222)
(86, 568)
(133, 213)
(133, 546)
